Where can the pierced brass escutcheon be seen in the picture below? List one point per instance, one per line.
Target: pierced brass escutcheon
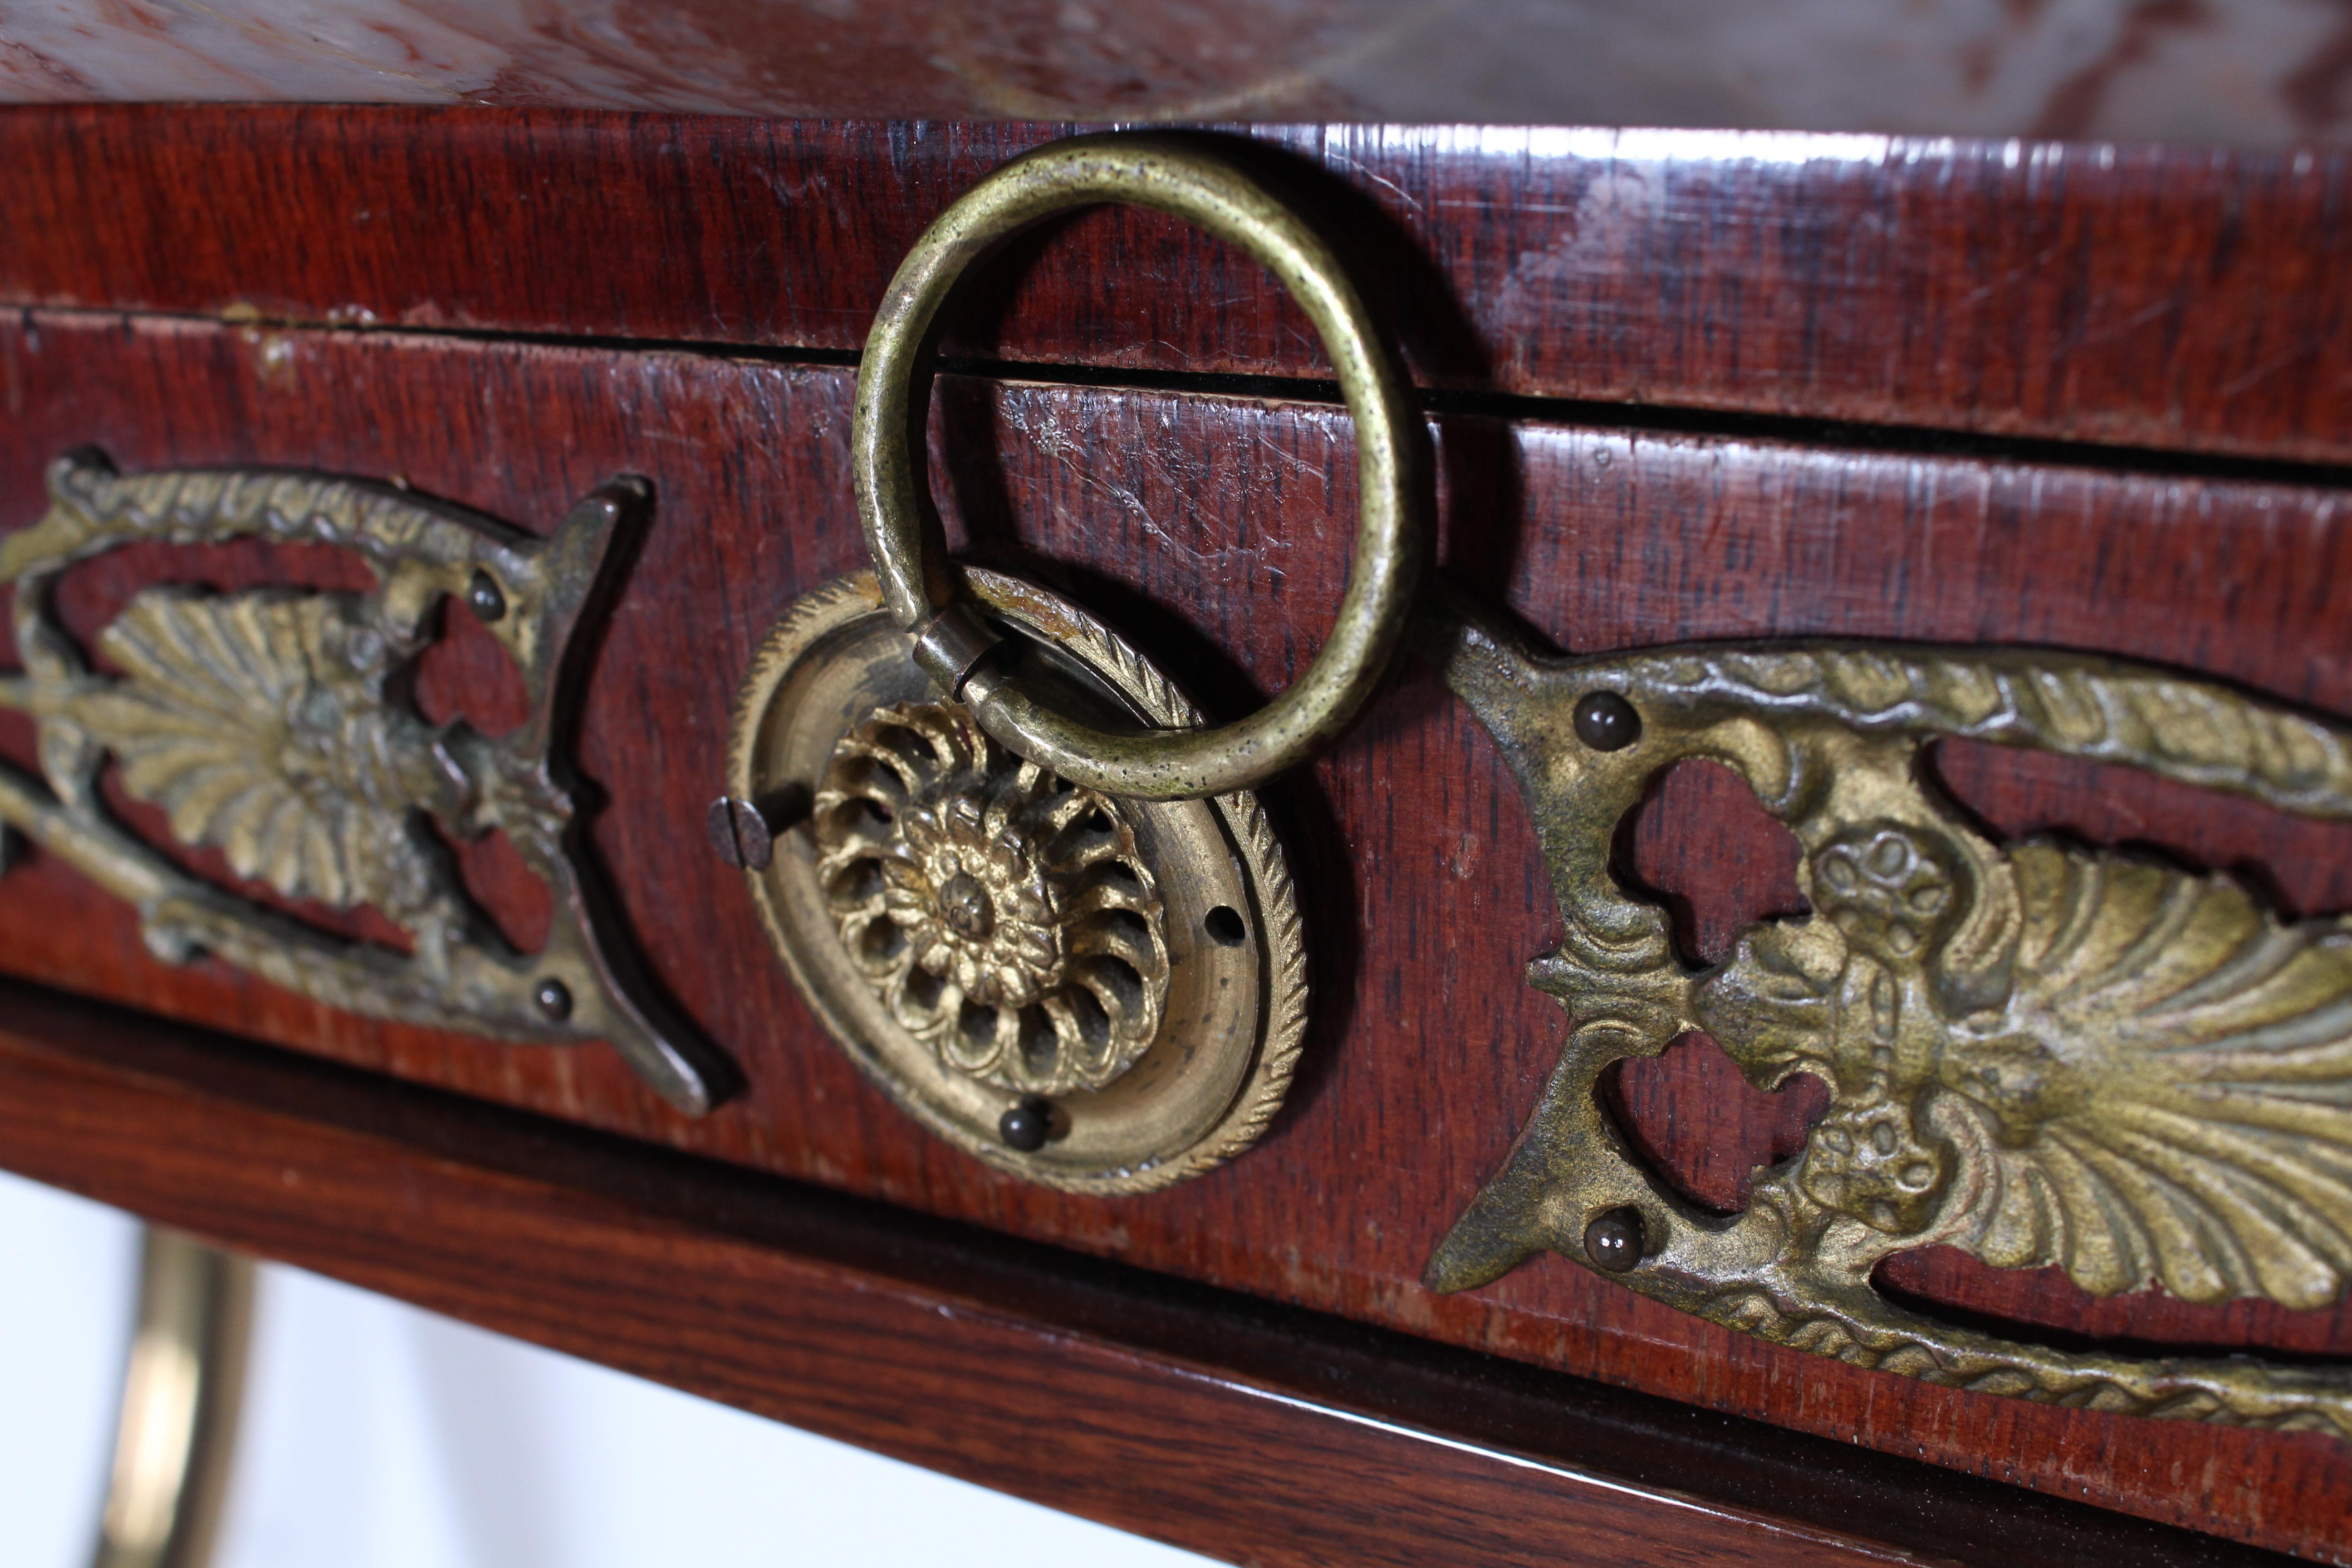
(1102, 994)
(270, 725)
(2038, 1054)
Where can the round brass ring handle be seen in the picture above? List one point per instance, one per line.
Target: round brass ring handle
(1392, 526)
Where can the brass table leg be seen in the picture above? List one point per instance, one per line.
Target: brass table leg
(180, 1397)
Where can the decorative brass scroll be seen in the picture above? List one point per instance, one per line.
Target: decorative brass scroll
(271, 725)
(2038, 1054)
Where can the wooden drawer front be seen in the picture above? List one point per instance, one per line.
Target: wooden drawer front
(1210, 520)
(2139, 296)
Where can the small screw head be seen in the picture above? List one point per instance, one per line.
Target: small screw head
(553, 998)
(1613, 1240)
(1027, 1125)
(739, 832)
(1606, 721)
(485, 598)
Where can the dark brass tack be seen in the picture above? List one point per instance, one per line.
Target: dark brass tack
(1606, 721)
(485, 599)
(553, 998)
(1026, 1126)
(739, 832)
(1613, 1240)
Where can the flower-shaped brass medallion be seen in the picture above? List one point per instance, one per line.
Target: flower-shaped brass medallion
(1102, 994)
(1001, 915)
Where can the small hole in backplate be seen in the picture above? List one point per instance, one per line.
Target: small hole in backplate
(1224, 926)
(1086, 1009)
(858, 883)
(1039, 1044)
(1118, 978)
(881, 940)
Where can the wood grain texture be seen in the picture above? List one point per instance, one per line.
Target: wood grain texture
(1261, 1435)
(1213, 531)
(2137, 297)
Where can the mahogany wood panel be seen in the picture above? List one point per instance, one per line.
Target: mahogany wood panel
(1212, 528)
(1261, 1435)
(2129, 296)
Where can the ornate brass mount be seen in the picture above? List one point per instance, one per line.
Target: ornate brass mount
(2037, 1054)
(1102, 994)
(1033, 903)
(266, 725)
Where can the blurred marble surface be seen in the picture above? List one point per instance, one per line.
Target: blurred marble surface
(2222, 72)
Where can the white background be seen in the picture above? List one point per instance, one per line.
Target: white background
(376, 1435)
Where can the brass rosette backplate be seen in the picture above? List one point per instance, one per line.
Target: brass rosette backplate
(987, 940)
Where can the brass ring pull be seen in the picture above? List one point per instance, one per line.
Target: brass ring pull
(1392, 527)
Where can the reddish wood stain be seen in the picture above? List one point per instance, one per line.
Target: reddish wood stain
(1257, 1435)
(2137, 296)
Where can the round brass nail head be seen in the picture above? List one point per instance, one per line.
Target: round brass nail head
(553, 998)
(485, 598)
(1613, 1240)
(1606, 721)
(1026, 1126)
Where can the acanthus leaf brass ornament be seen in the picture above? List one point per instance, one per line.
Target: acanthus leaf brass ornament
(1394, 529)
(2036, 1053)
(1099, 994)
(269, 725)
